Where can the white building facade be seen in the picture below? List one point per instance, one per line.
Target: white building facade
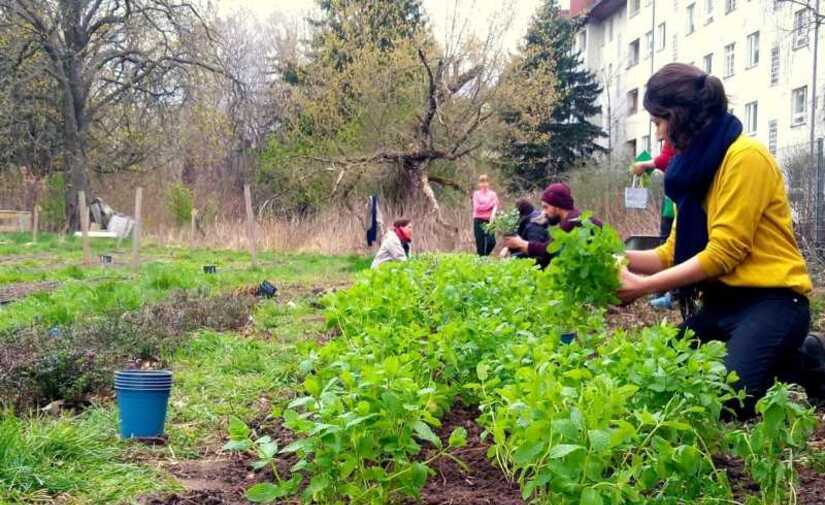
(761, 49)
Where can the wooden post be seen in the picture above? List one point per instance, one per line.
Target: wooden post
(84, 226)
(250, 224)
(192, 226)
(137, 229)
(35, 221)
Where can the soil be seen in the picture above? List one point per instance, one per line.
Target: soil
(639, 315)
(207, 482)
(12, 292)
(484, 484)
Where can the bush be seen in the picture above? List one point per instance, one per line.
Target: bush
(179, 202)
(53, 203)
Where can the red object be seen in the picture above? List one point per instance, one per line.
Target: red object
(402, 235)
(579, 6)
(663, 160)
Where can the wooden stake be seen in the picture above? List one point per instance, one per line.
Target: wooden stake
(137, 229)
(250, 225)
(192, 226)
(35, 221)
(84, 226)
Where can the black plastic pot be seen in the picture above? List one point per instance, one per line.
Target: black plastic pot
(210, 269)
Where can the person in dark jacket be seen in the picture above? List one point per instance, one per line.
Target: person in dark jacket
(559, 209)
(532, 225)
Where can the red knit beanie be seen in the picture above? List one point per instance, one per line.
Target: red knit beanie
(558, 195)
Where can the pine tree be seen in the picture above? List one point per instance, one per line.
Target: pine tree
(571, 134)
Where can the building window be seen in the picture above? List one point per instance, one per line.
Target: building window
(631, 147)
(800, 28)
(774, 66)
(799, 105)
(753, 49)
(707, 63)
(773, 134)
(751, 119)
(583, 40)
(730, 6)
(649, 44)
(646, 143)
(635, 5)
(610, 30)
(633, 54)
(729, 60)
(632, 102)
(708, 11)
(691, 19)
(661, 34)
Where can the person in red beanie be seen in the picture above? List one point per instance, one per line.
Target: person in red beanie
(560, 210)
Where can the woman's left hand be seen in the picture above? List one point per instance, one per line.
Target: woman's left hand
(633, 287)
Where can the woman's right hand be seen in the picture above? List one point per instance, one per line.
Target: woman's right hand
(640, 168)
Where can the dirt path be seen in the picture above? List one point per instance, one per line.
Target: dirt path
(12, 292)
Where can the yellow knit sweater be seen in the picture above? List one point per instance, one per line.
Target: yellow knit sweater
(752, 242)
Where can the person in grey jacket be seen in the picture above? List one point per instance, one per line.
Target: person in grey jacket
(396, 244)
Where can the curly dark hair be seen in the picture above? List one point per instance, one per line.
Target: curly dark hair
(688, 98)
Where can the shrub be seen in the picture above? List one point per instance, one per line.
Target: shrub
(179, 202)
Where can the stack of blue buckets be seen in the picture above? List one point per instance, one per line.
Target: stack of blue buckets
(142, 398)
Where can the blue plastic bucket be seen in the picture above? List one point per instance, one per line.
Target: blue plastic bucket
(142, 400)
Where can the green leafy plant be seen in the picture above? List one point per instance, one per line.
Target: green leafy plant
(505, 223)
(585, 268)
(771, 447)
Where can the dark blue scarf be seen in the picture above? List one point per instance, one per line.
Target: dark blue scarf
(688, 181)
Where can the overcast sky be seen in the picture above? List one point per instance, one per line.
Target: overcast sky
(479, 11)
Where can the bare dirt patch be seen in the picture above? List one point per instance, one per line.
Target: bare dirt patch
(12, 292)
(484, 484)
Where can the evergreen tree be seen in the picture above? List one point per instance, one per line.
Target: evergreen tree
(570, 134)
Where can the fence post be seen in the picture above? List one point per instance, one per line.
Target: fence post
(192, 226)
(136, 231)
(820, 188)
(35, 221)
(84, 226)
(250, 224)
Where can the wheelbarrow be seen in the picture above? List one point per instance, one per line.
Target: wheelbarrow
(643, 242)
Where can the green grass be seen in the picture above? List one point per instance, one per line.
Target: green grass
(79, 457)
(222, 375)
(94, 290)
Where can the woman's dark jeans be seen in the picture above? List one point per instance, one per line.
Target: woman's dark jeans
(763, 329)
(485, 242)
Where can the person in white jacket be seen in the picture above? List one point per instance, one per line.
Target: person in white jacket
(396, 244)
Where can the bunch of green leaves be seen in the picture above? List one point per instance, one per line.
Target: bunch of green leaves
(584, 267)
(771, 447)
(505, 223)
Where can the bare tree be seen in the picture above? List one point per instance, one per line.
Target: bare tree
(99, 54)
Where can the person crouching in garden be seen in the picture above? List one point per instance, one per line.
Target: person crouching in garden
(532, 226)
(485, 206)
(733, 241)
(559, 209)
(396, 244)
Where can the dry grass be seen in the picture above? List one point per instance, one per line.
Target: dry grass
(340, 231)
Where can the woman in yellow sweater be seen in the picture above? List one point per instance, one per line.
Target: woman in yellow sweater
(733, 242)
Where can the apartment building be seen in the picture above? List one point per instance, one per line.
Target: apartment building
(761, 49)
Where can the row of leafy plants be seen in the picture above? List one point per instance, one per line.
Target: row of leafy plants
(607, 419)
